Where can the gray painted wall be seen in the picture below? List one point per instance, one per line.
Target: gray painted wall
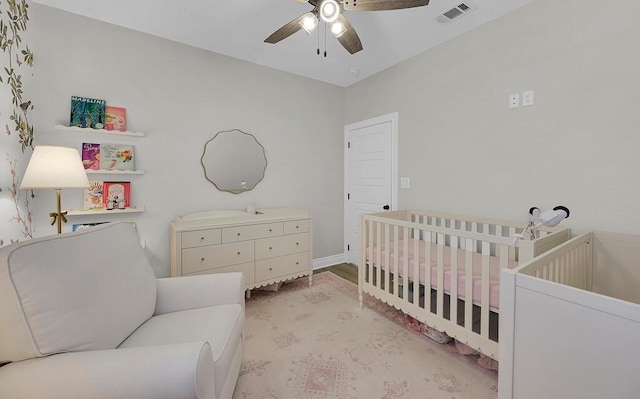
(467, 152)
(180, 97)
(463, 148)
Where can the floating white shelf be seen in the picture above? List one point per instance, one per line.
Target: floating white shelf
(100, 131)
(137, 209)
(114, 172)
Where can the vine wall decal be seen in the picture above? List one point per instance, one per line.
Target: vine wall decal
(17, 142)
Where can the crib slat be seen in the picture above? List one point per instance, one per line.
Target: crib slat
(387, 260)
(468, 285)
(440, 263)
(484, 310)
(416, 267)
(378, 263)
(453, 297)
(395, 262)
(427, 273)
(405, 264)
(369, 274)
(503, 250)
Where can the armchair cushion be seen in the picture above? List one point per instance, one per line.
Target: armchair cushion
(190, 292)
(53, 302)
(147, 372)
(220, 325)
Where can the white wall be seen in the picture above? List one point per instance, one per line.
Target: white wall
(180, 97)
(466, 152)
(577, 145)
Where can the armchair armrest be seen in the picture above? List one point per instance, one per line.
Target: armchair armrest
(192, 292)
(159, 371)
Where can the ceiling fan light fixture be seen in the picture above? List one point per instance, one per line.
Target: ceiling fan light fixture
(329, 10)
(309, 22)
(338, 29)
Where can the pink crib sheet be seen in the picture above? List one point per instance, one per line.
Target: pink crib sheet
(494, 269)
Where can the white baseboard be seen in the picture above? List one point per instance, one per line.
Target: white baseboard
(328, 261)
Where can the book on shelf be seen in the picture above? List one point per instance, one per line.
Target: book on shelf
(85, 226)
(87, 112)
(115, 118)
(117, 157)
(91, 156)
(93, 195)
(116, 195)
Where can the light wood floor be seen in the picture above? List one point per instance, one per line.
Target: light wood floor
(347, 271)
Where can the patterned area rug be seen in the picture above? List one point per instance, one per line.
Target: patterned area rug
(316, 343)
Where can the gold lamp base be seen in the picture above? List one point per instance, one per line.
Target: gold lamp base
(60, 216)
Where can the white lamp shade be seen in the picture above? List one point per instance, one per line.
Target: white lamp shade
(55, 167)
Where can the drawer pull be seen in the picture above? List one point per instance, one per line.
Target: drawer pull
(270, 230)
(201, 259)
(270, 269)
(297, 227)
(270, 248)
(297, 243)
(238, 252)
(238, 234)
(201, 238)
(297, 263)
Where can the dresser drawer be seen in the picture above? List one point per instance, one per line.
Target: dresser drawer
(296, 226)
(269, 269)
(200, 238)
(241, 233)
(283, 245)
(203, 258)
(247, 269)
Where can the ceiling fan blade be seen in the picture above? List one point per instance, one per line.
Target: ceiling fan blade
(285, 31)
(381, 5)
(349, 39)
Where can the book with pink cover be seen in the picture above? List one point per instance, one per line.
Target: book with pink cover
(91, 156)
(116, 118)
(116, 195)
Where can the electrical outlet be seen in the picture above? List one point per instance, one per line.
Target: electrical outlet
(527, 98)
(405, 182)
(514, 100)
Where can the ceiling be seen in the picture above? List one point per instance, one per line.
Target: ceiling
(237, 28)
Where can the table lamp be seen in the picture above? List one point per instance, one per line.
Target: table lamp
(56, 168)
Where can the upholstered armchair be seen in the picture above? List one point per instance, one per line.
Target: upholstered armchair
(83, 316)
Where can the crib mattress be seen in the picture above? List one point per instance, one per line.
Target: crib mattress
(476, 278)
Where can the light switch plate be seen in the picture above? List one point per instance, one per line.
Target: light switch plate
(527, 98)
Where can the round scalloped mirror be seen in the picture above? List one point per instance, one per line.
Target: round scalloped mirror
(234, 161)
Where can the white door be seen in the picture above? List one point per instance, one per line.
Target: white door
(370, 174)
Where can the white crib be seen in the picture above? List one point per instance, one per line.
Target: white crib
(570, 321)
(466, 255)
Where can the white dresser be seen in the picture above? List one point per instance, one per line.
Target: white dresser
(271, 246)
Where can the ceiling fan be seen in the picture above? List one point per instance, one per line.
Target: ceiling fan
(331, 12)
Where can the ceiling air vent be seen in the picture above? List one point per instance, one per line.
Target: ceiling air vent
(454, 13)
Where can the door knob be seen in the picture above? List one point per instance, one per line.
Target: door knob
(386, 207)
